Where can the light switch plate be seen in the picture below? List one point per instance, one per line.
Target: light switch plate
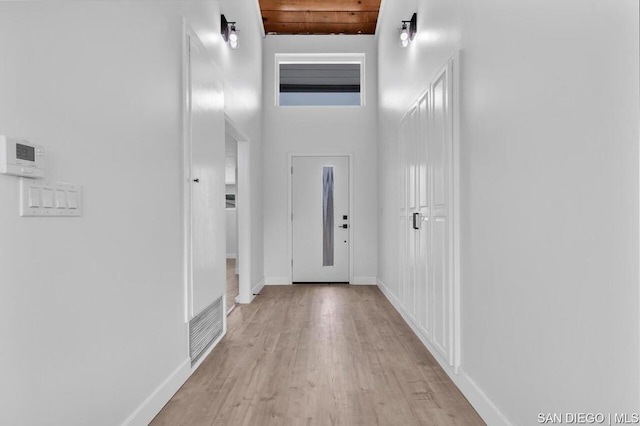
(54, 199)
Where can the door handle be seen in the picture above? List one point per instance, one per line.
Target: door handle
(416, 221)
(196, 180)
(345, 226)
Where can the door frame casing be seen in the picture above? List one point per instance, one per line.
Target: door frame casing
(454, 63)
(244, 210)
(351, 209)
(187, 32)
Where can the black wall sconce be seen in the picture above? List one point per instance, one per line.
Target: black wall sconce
(408, 30)
(229, 32)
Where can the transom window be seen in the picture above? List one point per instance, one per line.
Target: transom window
(326, 81)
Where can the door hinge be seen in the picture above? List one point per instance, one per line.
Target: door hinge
(291, 217)
(291, 262)
(291, 169)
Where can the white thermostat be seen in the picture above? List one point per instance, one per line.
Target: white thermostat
(21, 158)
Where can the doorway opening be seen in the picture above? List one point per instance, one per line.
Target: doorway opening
(231, 211)
(241, 269)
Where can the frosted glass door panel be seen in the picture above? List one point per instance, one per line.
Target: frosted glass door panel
(320, 219)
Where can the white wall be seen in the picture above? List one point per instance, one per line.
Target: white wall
(549, 158)
(92, 308)
(319, 130)
(243, 98)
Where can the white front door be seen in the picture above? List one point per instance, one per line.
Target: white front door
(320, 219)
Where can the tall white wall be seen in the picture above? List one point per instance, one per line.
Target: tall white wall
(320, 130)
(549, 160)
(243, 103)
(92, 317)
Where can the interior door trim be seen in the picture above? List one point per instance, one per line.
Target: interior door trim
(290, 208)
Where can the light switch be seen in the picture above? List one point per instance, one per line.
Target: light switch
(72, 199)
(61, 199)
(34, 197)
(47, 198)
(40, 198)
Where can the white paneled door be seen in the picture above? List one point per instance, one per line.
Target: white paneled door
(320, 219)
(439, 149)
(411, 288)
(427, 228)
(204, 169)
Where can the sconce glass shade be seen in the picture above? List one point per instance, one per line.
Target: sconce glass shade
(404, 34)
(233, 38)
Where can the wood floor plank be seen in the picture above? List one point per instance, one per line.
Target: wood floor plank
(318, 355)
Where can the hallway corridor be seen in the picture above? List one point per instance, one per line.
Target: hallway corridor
(232, 284)
(318, 355)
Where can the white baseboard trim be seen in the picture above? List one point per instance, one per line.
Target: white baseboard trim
(258, 287)
(480, 401)
(287, 281)
(143, 415)
(232, 256)
(474, 394)
(277, 281)
(364, 281)
(151, 406)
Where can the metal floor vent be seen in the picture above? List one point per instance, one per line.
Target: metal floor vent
(204, 329)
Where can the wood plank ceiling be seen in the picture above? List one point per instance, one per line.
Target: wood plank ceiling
(320, 16)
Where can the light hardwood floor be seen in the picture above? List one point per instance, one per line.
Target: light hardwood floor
(318, 355)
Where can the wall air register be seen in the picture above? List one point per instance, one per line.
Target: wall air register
(204, 329)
